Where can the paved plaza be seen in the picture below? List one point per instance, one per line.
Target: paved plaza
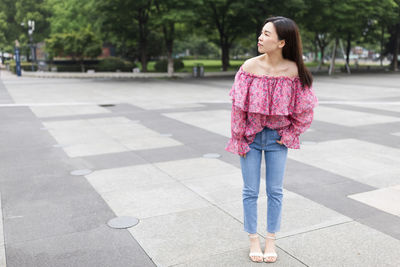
(144, 142)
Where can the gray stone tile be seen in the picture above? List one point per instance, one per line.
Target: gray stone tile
(189, 235)
(239, 258)
(347, 244)
(100, 246)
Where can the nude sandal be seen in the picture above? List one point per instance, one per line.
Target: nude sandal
(256, 254)
(270, 254)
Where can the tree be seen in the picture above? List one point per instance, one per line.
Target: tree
(78, 44)
(127, 21)
(223, 21)
(3, 39)
(171, 16)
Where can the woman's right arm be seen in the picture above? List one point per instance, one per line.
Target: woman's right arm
(237, 144)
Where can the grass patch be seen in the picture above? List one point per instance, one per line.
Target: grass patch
(215, 65)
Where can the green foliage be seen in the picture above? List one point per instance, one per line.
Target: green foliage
(114, 64)
(73, 15)
(162, 65)
(26, 66)
(148, 29)
(78, 44)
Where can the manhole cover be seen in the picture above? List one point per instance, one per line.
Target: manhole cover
(211, 155)
(107, 105)
(81, 172)
(59, 145)
(123, 222)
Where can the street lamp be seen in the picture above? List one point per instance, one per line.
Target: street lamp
(31, 28)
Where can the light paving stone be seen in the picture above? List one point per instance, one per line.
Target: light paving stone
(53, 111)
(185, 236)
(150, 142)
(299, 214)
(365, 162)
(1, 226)
(386, 199)
(127, 178)
(106, 135)
(350, 118)
(143, 191)
(383, 106)
(95, 148)
(329, 88)
(151, 200)
(216, 121)
(2, 256)
(2, 244)
(218, 189)
(396, 133)
(195, 168)
(349, 244)
(239, 258)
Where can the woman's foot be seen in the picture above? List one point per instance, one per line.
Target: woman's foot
(270, 253)
(256, 254)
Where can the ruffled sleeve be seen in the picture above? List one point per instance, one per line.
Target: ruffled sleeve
(268, 96)
(301, 117)
(237, 143)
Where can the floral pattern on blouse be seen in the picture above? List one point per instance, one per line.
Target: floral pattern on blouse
(277, 102)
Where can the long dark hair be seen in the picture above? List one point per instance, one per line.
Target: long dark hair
(293, 50)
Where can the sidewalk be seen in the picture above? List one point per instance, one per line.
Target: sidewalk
(80, 75)
(145, 150)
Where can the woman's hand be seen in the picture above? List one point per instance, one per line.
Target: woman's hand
(242, 155)
(279, 142)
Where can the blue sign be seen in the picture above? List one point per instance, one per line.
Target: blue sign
(17, 62)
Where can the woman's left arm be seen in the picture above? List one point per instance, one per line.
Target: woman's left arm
(300, 122)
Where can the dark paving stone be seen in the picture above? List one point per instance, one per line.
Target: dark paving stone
(100, 246)
(52, 218)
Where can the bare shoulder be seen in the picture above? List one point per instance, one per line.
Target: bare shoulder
(251, 64)
(292, 69)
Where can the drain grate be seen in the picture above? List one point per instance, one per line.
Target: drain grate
(107, 105)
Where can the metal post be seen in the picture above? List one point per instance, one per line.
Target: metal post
(31, 28)
(17, 59)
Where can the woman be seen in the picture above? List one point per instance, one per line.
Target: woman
(272, 104)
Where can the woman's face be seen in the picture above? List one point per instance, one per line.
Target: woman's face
(268, 39)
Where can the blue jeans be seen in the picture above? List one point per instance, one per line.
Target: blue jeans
(275, 163)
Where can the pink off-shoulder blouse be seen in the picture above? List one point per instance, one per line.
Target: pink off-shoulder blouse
(278, 102)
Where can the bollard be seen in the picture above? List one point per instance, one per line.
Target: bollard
(195, 71)
(201, 71)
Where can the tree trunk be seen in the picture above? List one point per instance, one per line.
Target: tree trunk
(332, 66)
(142, 18)
(143, 60)
(382, 39)
(396, 48)
(169, 32)
(322, 45)
(225, 55)
(316, 51)
(347, 54)
(348, 48)
(170, 63)
(82, 65)
(143, 51)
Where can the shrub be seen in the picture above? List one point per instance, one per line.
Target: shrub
(114, 63)
(162, 65)
(26, 66)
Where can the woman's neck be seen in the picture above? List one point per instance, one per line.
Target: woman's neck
(273, 59)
